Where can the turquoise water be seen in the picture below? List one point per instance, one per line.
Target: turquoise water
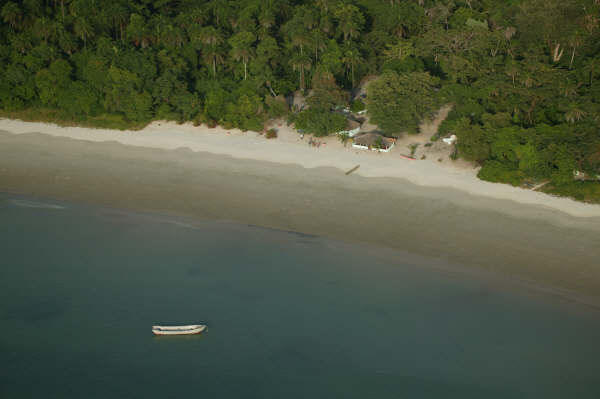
(289, 316)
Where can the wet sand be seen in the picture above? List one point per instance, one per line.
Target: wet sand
(290, 149)
(530, 243)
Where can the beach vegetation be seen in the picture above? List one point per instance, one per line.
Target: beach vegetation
(413, 148)
(357, 106)
(320, 122)
(344, 138)
(523, 76)
(276, 106)
(271, 133)
(397, 103)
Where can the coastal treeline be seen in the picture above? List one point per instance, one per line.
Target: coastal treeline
(523, 75)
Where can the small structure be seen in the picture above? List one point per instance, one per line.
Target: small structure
(296, 101)
(579, 175)
(373, 141)
(450, 140)
(352, 128)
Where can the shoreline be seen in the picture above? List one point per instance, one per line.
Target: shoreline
(519, 242)
(290, 149)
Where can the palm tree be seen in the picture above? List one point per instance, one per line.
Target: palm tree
(351, 58)
(400, 50)
(22, 41)
(512, 70)
(137, 30)
(310, 18)
(241, 48)
(83, 29)
(593, 67)
(65, 39)
(172, 36)
(211, 38)
(158, 24)
(344, 138)
(213, 56)
(301, 63)
(244, 20)
(350, 20)
(568, 88)
(266, 18)
(44, 28)
(324, 5)
(299, 37)
(574, 113)
(220, 10)
(317, 42)
(574, 41)
(441, 12)
(11, 14)
(116, 15)
(268, 51)
(194, 17)
(62, 8)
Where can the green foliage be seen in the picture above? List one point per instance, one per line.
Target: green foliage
(331, 58)
(138, 106)
(80, 101)
(320, 122)
(343, 137)
(52, 81)
(499, 172)
(473, 142)
(276, 106)
(245, 113)
(357, 106)
(398, 103)
(326, 94)
(523, 75)
(214, 103)
(408, 64)
(271, 133)
(588, 191)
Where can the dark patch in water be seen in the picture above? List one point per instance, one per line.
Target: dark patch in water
(35, 311)
(418, 387)
(291, 232)
(195, 271)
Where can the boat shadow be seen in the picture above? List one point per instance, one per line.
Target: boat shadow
(178, 338)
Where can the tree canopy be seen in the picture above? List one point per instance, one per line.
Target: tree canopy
(523, 75)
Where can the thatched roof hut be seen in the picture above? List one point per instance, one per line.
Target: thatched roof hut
(352, 128)
(373, 141)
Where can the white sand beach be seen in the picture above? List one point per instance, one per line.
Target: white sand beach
(290, 148)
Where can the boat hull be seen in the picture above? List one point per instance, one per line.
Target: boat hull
(178, 330)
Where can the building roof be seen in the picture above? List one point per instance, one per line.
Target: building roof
(351, 124)
(372, 139)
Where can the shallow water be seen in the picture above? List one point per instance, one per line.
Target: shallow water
(289, 316)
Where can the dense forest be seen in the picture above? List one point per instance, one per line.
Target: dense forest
(523, 75)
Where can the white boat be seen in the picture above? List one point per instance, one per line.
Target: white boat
(178, 330)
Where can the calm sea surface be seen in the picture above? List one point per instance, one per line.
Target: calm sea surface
(289, 316)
